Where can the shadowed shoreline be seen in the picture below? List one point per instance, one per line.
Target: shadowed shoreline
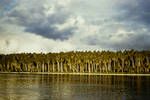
(99, 74)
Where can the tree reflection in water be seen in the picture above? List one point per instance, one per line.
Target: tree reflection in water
(73, 87)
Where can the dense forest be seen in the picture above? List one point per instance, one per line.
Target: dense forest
(78, 62)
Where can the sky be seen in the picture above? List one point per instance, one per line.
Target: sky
(28, 26)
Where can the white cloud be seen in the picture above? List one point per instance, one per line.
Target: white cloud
(63, 3)
(26, 42)
(121, 35)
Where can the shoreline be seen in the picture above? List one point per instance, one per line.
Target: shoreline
(101, 74)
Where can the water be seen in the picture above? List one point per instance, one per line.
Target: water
(73, 87)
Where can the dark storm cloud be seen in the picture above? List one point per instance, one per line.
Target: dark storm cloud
(50, 32)
(46, 29)
(35, 21)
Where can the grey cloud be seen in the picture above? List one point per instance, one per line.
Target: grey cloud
(132, 16)
(134, 41)
(138, 12)
(138, 42)
(136, 17)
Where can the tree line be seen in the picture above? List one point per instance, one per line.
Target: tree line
(78, 62)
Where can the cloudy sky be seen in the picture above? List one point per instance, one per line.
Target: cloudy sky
(66, 25)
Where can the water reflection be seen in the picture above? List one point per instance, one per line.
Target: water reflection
(73, 87)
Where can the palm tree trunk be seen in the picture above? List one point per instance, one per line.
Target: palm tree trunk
(58, 67)
(53, 67)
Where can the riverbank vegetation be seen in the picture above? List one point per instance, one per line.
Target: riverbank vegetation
(78, 62)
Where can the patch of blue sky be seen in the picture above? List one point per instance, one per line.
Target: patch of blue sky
(6, 5)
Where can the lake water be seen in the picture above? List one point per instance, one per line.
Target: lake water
(73, 87)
